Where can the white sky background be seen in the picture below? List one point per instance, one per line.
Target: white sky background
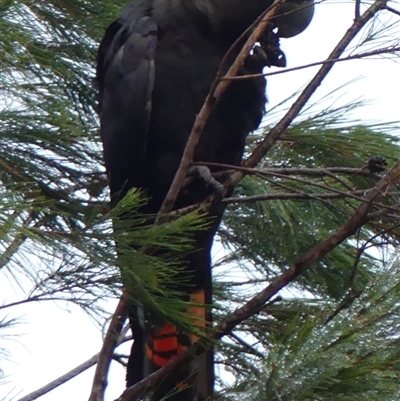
(54, 340)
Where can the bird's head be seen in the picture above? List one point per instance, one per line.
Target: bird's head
(293, 17)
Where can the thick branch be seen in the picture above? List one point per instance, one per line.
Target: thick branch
(105, 355)
(252, 307)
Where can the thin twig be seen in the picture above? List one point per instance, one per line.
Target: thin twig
(66, 377)
(289, 196)
(313, 172)
(247, 346)
(357, 56)
(392, 10)
(295, 196)
(61, 380)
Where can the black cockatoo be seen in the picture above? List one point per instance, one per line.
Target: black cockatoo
(155, 67)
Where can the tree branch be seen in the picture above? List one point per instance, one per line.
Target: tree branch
(386, 50)
(297, 196)
(253, 306)
(276, 132)
(105, 355)
(393, 10)
(65, 377)
(313, 172)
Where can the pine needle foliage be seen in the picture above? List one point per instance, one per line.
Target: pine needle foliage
(318, 342)
(293, 226)
(332, 336)
(354, 356)
(56, 228)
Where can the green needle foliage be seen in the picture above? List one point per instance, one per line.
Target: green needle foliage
(352, 357)
(332, 336)
(290, 227)
(53, 187)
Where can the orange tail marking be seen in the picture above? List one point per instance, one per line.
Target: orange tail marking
(165, 340)
(157, 359)
(163, 345)
(198, 313)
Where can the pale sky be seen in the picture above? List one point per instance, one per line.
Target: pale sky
(55, 340)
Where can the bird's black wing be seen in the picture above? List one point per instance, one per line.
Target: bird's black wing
(125, 76)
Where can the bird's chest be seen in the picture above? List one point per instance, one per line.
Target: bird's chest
(184, 73)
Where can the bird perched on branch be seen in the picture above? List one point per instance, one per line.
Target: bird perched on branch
(155, 67)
